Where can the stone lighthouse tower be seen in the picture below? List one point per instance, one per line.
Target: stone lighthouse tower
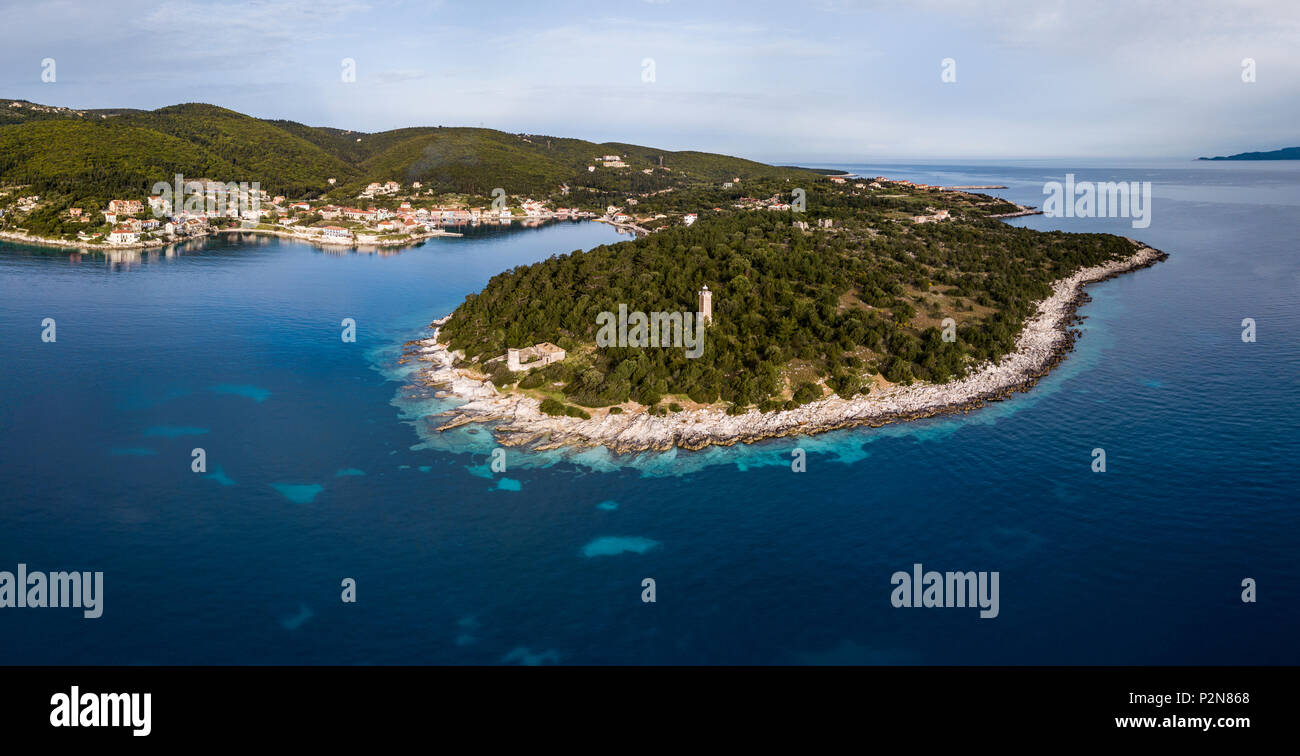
(705, 311)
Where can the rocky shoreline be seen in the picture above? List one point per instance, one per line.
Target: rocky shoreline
(1023, 211)
(518, 420)
(14, 236)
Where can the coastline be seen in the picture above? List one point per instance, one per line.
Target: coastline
(518, 420)
(18, 238)
(1023, 211)
(353, 243)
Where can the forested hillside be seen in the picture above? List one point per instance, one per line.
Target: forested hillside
(84, 155)
(794, 310)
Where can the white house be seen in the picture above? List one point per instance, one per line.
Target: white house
(123, 235)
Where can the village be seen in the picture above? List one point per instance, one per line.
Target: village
(213, 207)
(382, 214)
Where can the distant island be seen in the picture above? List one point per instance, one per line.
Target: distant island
(1286, 153)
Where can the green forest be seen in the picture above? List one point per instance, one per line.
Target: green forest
(797, 314)
(85, 158)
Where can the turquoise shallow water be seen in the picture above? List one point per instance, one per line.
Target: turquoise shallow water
(320, 468)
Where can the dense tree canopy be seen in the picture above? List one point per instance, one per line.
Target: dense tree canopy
(794, 310)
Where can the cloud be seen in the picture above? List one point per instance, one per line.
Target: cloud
(845, 77)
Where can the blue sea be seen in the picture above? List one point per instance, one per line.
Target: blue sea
(321, 467)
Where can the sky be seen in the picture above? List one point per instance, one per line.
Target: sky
(811, 81)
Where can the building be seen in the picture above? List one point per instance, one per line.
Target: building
(940, 215)
(537, 355)
(352, 213)
(123, 235)
(705, 310)
(335, 232)
(125, 207)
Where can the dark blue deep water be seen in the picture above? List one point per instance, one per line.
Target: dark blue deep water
(320, 469)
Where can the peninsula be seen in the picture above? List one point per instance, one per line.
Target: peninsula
(825, 305)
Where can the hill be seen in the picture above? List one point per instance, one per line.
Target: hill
(1286, 153)
(87, 154)
(23, 111)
